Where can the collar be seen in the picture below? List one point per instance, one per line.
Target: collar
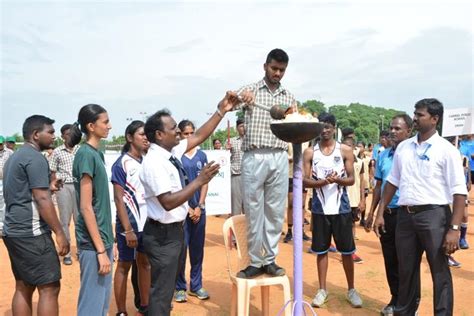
(160, 150)
(63, 147)
(262, 84)
(433, 139)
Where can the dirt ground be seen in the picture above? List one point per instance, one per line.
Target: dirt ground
(369, 278)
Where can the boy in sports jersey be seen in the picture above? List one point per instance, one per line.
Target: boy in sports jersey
(329, 169)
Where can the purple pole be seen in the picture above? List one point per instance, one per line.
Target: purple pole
(297, 230)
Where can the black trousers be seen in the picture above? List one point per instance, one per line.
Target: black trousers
(417, 233)
(389, 251)
(164, 245)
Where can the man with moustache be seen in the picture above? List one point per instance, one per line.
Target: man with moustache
(428, 172)
(265, 168)
(400, 130)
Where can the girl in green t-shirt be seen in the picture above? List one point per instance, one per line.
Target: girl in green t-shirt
(94, 224)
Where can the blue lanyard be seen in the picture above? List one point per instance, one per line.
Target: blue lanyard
(423, 156)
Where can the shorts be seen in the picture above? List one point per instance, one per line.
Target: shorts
(337, 226)
(290, 186)
(125, 252)
(34, 260)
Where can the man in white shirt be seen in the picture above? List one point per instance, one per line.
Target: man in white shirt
(428, 172)
(167, 192)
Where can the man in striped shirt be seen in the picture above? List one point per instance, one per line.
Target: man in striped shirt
(60, 164)
(265, 168)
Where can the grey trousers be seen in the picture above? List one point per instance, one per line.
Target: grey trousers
(67, 205)
(237, 203)
(95, 290)
(265, 187)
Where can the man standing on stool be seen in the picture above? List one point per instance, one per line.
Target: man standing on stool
(428, 172)
(265, 169)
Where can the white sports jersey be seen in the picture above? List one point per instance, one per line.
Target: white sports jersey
(330, 199)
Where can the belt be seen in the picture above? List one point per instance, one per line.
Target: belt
(391, 210)
(157, 223)
(420, 208)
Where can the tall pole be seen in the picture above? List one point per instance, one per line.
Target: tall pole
(298, 230)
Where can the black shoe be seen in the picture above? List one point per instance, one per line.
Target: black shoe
(274, 270)
(362, 222)
(250, 272)
(288, 237)
(306, 237)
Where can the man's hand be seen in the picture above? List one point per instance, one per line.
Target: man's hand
(197, 215)
(379, 226)
(63, 244)
(362, 205)
(208, 172)
(231, 100)
(451, 242)
(369, 221)
(56, 185)
(131, 239)
(105, 267)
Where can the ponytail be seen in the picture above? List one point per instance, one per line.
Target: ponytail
(75, 135)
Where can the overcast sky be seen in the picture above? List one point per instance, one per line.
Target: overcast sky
(139, 57)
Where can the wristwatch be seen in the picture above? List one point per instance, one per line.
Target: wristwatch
(202, 206)
(454, 227)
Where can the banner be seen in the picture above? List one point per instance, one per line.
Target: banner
(219, 194)
(458, 122)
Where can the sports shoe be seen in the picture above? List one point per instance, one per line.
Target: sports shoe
(67, 261)
(288, 237)
(354, 298)
(200, 294)
(332, 248)
(180, 296)
(453, 263)
(250, 272)
(463, 243)
(362, 222)
(357, 259)
(387, 310)
(320, 298)
(273, 269)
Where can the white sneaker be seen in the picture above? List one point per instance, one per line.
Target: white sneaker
(354, 298)
(320, 298)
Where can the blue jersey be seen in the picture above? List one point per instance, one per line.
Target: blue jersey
(467, 149)
(382, 170)
(193, 165)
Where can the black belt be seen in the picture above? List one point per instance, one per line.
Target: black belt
(421, 208)
(157, 223)
(391, 210)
